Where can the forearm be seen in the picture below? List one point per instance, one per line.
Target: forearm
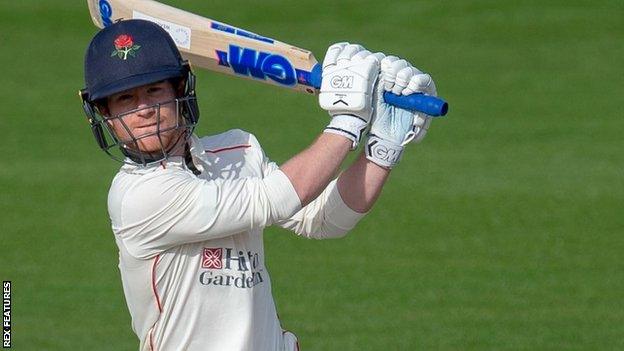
(360, 185)
(324, 218)
(350, 106)
(311, 170)
(391, 130)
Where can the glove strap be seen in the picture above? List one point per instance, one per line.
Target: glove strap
(383, 152)
(351, 127)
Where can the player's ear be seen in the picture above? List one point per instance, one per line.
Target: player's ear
(102, 107)
(179, 86)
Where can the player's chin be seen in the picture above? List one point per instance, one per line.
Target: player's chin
(157, 144)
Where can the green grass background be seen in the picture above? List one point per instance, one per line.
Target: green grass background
(503, 230)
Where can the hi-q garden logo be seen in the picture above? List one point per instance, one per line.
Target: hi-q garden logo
(228, 267)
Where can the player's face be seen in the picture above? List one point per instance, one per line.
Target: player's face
(145, 113)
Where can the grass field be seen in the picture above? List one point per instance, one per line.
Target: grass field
(503, 230)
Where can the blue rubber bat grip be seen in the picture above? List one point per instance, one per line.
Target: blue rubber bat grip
(431, 105)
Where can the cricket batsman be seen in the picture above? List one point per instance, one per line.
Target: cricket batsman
(188, 212)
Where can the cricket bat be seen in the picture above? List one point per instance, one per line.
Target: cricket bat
(220, 47)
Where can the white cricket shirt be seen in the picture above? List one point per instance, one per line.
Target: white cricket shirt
(191, 254)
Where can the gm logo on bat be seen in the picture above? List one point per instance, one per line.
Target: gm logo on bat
(258, 64)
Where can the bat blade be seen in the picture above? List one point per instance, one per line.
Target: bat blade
(217, 46)
(223, 48)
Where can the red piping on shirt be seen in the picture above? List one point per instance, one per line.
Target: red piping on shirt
(151, 332)
(150, 339)
(244, 146)
(154, 283)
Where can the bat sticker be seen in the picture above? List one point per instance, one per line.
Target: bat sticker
(242, 33)
(258, 64)
(181, 35)
(106, 12)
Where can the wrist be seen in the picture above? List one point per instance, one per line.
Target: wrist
(383, 153)
(349, 126)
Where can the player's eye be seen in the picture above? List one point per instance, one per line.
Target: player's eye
(154, 89)
(123, 98)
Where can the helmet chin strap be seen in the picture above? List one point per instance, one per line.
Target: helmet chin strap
(188, 159)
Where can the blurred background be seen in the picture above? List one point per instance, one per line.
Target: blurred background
(502, 230)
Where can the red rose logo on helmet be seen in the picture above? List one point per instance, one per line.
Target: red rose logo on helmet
(123, 41)
(124, 46)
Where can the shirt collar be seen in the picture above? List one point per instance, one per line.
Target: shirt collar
(196, 150)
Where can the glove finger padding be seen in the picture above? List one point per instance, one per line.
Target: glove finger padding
(331, 56)
(403, 78)
(390, 66)
(361, 55)
(421, 83)
(350, 51)
(377, 57)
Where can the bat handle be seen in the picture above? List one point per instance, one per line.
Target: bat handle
(431, 105)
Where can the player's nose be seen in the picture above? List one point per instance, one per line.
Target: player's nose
(146, 111)
(145, 108)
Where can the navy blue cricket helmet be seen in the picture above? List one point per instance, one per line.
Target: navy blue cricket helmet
(126, 55)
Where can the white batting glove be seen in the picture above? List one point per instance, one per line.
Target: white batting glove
(349, 76)
(392, 127)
